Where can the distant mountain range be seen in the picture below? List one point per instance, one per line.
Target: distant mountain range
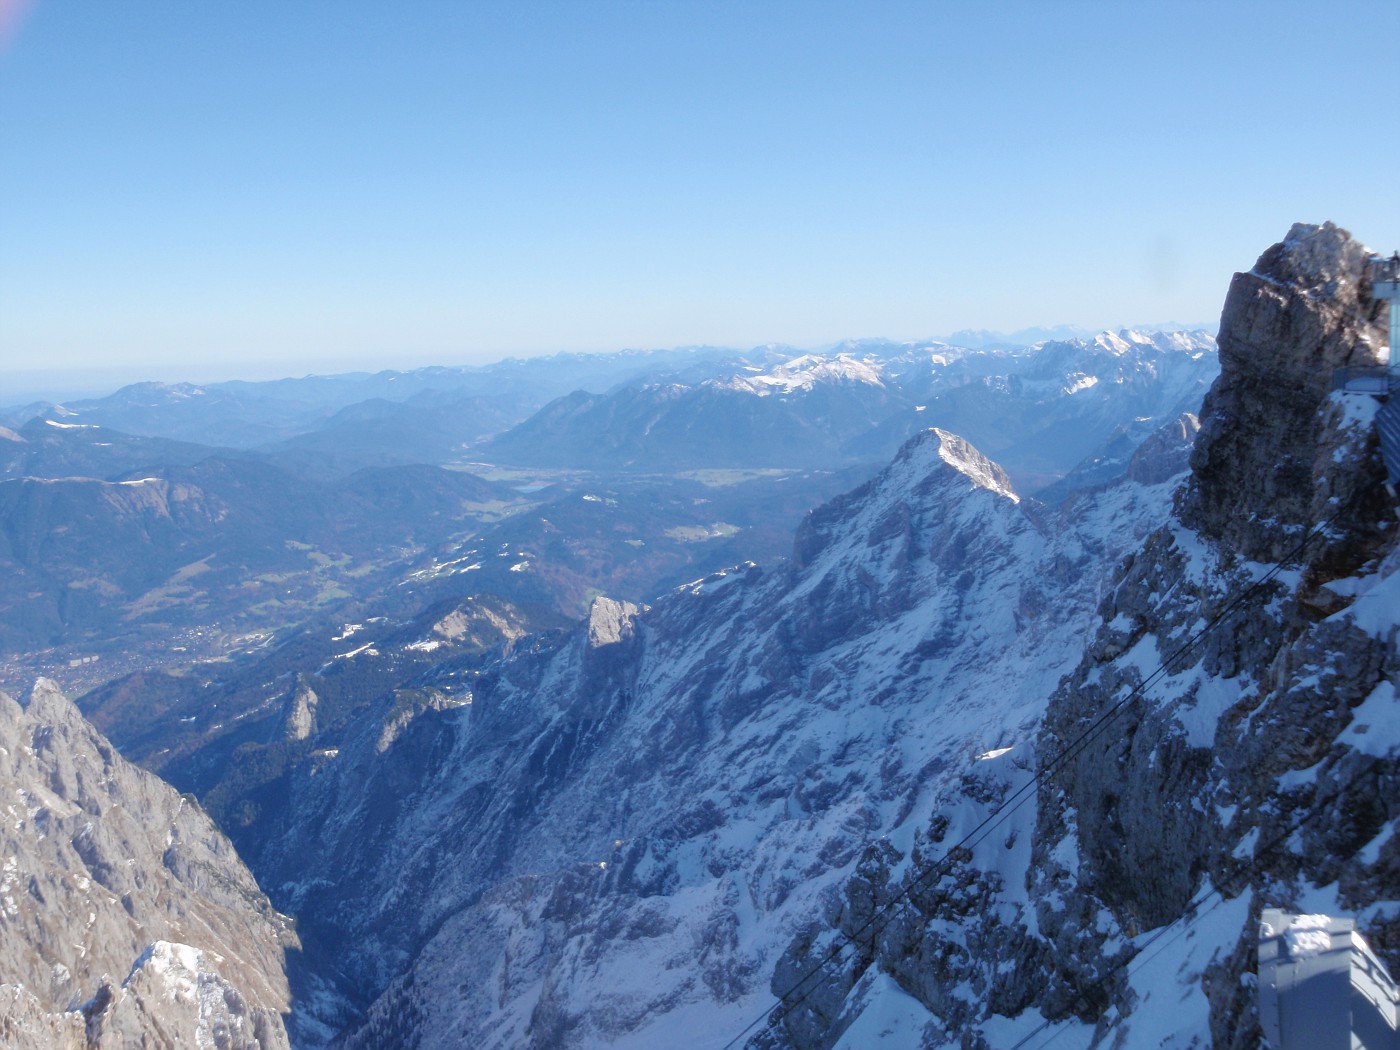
(245, 414)
(680, 409)
(1039, 411)
(174, 520)
(987, 339)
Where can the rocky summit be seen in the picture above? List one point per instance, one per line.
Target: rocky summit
(128, 919)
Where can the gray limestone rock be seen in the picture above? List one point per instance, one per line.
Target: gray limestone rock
(127, 917)
(611, 621)
(1303, 311)
(300, 722)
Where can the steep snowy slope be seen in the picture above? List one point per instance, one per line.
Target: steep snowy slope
(611, 836)
(127, 918)
(1227, 741)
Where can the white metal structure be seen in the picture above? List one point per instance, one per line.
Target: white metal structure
(1322, 988)
(1385, 284)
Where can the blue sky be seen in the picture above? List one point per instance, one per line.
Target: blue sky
(201, 190)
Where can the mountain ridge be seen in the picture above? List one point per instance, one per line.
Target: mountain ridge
(703, 698)
(1244, 775)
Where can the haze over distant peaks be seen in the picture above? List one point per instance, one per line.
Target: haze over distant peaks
(990, 339)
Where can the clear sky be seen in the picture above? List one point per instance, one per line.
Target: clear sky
(268, 187)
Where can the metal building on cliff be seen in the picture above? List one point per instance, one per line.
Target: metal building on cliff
(1322, 988)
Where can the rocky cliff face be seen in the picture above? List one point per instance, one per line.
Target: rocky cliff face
(1261, 469)
(127, 918)
(1226, 741)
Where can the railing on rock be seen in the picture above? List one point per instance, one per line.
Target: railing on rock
(1367, 379)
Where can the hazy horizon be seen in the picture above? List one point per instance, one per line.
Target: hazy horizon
(18, 388)
(313, 187)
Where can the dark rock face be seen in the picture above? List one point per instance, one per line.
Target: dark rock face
(128, 919)
(1259, 467)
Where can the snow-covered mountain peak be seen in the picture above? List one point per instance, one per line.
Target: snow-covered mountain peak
(937, 456)
(807, 371)
(1113, 342)
(962, 457)
(938, 486)
(1191, 342)
(1129, 340)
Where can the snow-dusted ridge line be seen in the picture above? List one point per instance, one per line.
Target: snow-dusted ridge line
(710, 773)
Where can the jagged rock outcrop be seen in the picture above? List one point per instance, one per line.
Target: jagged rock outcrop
(1166, 452)
(127, 918)
(479, 622)
(610, 622)
(1260, 469)
(1227, 739)
(300, 721)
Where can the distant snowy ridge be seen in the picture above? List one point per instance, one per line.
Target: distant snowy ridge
(804, 373)
(1037, 410)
